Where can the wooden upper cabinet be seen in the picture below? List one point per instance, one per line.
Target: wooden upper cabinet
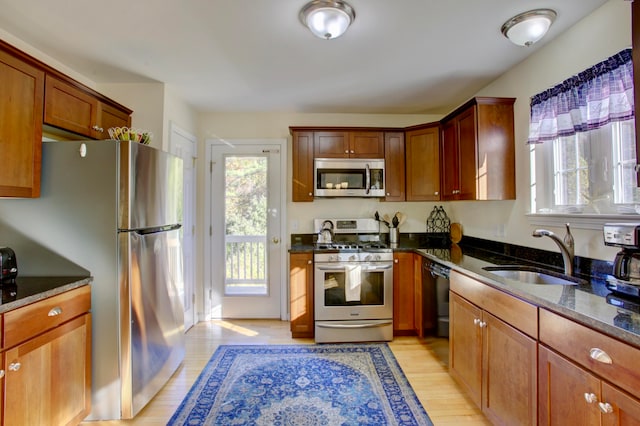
(71, 108)
(365, 144)
(302, 176)
(478, 151)
(394, 164)
(348, 144)
(423, 163)
(21, 103)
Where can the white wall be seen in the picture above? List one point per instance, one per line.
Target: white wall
(577, 49)
(600, 35)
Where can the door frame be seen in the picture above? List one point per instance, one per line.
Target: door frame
(212, 302)
(192, 155)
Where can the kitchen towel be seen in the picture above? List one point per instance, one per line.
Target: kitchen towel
(353, 282)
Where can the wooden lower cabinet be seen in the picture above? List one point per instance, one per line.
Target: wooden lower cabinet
(47, 378)
(301, 294)
(495, 363)
(47, 361)
(570, 394)
(407, 294)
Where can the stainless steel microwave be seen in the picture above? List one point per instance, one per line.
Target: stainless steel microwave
(349, 177)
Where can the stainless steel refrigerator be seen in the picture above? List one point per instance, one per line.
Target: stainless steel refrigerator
(114, 209)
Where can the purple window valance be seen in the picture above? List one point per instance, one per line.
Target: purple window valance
(587, 101)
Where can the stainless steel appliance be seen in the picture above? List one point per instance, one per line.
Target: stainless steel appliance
(353, 282)
(626, 267)
(349, 177)
(8, 266)
(114, 208)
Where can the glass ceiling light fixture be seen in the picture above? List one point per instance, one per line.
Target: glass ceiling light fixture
(528, 27)
(327, 19)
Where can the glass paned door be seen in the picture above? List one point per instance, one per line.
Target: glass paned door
(246, 267)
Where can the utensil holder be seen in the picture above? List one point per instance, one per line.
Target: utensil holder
(394, 235)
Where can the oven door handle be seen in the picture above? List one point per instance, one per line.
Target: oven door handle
(363, 267)
(366, 325)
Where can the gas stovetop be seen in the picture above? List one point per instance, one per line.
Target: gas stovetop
(352, 246)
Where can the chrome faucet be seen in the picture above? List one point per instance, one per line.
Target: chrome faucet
(566, 246)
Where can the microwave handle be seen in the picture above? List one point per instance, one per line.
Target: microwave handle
(367, 179)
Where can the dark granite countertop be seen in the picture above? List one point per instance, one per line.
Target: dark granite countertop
(27, 290)
(585, 303)
(589, 303)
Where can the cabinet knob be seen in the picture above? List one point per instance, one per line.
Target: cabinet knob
(1, 374)
(311, 194)
(395, 260)
(590, 397)
(388, 194)
(309, 262)
(55, 311)
(482, 324)
(476, 321)
(352, 151)
(346, 151)
(436, 193)
(605, 407)
(14, 366)
(600, 356)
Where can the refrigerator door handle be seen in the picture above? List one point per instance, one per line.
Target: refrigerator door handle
(153, 230)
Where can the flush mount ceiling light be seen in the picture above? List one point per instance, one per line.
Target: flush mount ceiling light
(326, 18)
(528, 27)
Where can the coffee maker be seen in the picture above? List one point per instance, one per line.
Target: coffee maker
(626, 265)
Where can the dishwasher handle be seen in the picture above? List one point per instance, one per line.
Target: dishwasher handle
(438, 270)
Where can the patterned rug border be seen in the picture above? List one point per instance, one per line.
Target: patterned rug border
(395, 385)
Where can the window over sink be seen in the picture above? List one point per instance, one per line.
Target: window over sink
(582, 143)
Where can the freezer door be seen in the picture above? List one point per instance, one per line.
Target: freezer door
(150, 187)
(152, 318)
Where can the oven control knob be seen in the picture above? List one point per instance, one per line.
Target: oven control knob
(353, 258)
(334, 258)
(372, 257)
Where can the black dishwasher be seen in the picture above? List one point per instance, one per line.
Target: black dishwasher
(435, 282)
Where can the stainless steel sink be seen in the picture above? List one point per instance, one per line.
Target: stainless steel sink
(531, 275)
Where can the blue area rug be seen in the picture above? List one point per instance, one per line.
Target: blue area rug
(337, 384)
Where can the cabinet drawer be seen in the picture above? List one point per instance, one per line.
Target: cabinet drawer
(513, 311)
(28, 321)
(578, 343)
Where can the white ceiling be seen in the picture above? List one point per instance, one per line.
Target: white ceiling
(401, 56)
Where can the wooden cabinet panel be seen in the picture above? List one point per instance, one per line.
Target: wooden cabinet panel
(21, 103)
(109, 117)
(423, 164)
(509, 365)
(635, 52)
(301, 294)
(366, 144)
(513, 311)
(494, 362)
(578, 343)
(478, 151)
(394, 163)
(465, 346)
(331, 144)
(30, 320)
(562, 388)
(47, 382)
(302, 176)
(626, 410)
(71, 108)
(404, 299)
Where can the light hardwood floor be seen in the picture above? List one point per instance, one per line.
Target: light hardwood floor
(424, 362)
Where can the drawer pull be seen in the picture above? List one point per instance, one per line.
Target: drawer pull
(590, 397)
(600, 356)
(605, 407)
(14, 366)
(55, 311)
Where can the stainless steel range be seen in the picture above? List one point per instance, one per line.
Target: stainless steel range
(353, 284)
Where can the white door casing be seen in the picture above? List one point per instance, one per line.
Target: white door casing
(184, 145)
(273, 305)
